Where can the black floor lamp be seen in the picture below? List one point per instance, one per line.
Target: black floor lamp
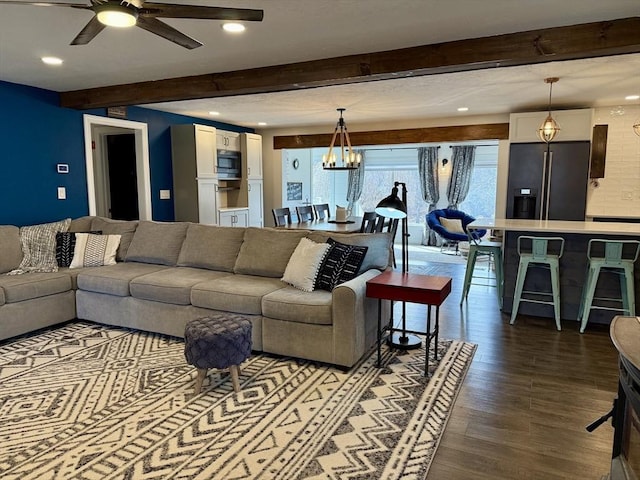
(393, 207)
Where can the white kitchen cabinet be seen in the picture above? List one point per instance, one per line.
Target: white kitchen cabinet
(233, 217)
(255, 202)
(208, 202)
(227, 140)
(193, 154)
(251, 145)
(574, 125)
(193, 149)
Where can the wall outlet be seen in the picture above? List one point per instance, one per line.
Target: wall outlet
(626, 195)
(62, 193)
(165, 194)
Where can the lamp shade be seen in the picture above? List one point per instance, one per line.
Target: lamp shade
(392, 206)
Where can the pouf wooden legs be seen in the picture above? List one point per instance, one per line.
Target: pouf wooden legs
(222, 340)
(235, 378)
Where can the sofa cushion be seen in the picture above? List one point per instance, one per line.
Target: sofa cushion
(266, 251)
(114, 279)
(123, 228)
(234, 293)
(157, 242)
(94, 250)
(294, 305)
(171, 285)
(304, 264)
(18, 288)
(10, 248)
(211, 247)
(81, 224)
(379, 244)
(39, 247)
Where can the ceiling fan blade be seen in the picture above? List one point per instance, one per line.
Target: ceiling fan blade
(47, 4)
(163, 30)
(168, 10)
(89, 32)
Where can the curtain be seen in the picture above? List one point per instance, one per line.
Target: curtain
(461, 169)
(356, 182)
(429, 185)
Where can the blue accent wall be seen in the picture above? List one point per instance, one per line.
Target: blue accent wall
(36, 134)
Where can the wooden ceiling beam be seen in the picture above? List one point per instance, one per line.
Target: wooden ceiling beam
(523, 48)
(458, 133)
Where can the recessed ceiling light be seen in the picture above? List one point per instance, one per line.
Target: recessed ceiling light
(213, 114)
(52, 60)
(233, 27)
(262, 124)
(632, 97)
(463, 109)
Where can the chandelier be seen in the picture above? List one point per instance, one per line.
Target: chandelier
(549, 128)
(349, 160)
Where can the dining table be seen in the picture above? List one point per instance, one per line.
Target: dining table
(352, 225)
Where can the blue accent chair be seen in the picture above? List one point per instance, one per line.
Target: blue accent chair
(452, 238)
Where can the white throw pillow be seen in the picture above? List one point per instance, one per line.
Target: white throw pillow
(94, 250)
(304, 264)
(453, 225)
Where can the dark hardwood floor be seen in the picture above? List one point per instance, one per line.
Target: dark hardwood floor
(528, 395)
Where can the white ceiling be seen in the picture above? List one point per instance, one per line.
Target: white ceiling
(299, 30)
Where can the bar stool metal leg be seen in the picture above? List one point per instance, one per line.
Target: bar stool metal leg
(522, 273)
(468, 275)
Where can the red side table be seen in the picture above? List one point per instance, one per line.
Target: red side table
(413, 288)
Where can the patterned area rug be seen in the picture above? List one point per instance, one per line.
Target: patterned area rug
(85, 401)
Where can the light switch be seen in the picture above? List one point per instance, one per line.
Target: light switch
(165, 194)
(62, 193)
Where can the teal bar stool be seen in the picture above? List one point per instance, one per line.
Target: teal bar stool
(617, 257)
(478, 247)
(534, 252)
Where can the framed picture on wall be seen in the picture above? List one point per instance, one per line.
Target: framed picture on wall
(294, 190)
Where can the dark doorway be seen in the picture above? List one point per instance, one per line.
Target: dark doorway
(123, 180)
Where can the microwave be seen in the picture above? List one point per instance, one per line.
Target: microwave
(228, 164)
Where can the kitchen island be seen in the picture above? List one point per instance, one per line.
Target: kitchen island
(573, 264)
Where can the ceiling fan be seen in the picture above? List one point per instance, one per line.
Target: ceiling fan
(123, 13)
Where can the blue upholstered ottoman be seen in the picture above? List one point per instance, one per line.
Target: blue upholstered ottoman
(221, 340)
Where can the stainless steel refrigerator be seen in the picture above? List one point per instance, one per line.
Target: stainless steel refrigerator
(548, 182)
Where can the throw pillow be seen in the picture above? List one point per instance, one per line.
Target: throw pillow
(39, 247)
(340, 265)
(453, 225)
(65, 246)
(304, 264)
(94, 250)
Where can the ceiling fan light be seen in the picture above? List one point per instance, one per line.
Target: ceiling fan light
(116, 16)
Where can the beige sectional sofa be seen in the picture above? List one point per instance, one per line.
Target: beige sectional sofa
(168, 273)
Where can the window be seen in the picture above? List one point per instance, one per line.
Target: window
(386, 165)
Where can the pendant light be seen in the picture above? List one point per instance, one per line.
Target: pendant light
(349, 160)
(549, 128)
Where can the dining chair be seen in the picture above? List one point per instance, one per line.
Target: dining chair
(369, 222)
(281, 216)
(322, 211)
(305, 213)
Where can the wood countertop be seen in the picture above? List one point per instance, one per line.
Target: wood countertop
(559, 226)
